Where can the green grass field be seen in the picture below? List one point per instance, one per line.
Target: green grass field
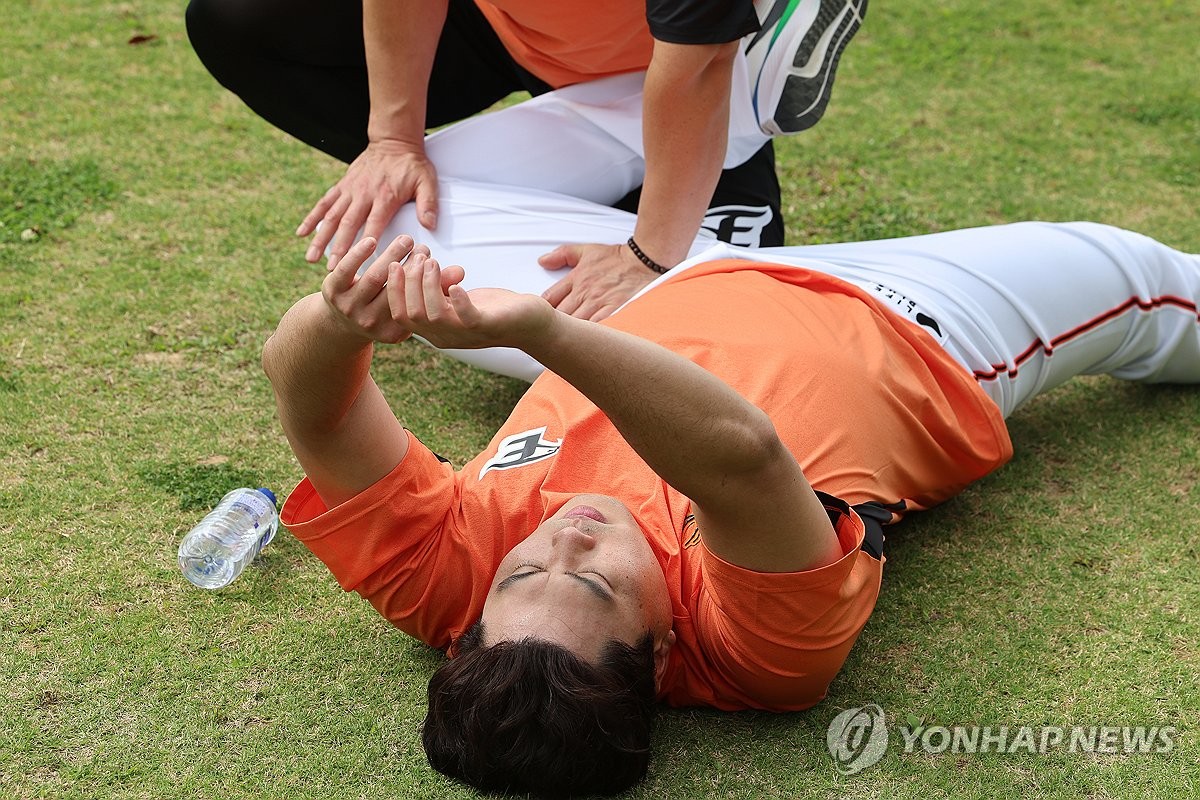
(146, 250)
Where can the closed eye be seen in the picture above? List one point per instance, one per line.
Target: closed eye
(595, 587)
(603, 579)
(598, 589)
(516, 576)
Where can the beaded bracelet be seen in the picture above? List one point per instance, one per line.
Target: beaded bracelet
(645, 259)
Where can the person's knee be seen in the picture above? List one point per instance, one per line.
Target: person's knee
(216, 24)
(227, 35)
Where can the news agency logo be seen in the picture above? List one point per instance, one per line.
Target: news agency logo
(858, 738)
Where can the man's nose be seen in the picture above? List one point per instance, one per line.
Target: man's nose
(572, 540)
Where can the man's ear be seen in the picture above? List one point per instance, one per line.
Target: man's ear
(662, 649)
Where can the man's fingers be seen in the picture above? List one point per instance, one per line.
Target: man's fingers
(566, 255)
(585, 309)
(451, 275)
(559, 291)
(414, 297)
(382, 211)
(602, 312)
(309, 224)
(347, 229)
(398, 249)
(341, 277)
(571, 303)
(329, 225)
(582, 307)
(427, 204)
(436, 304)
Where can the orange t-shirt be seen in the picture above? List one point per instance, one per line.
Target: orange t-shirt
(566, 42)
(871, 406)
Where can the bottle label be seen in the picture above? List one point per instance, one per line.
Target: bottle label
(261, 510)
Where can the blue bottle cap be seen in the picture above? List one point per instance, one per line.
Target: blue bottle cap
(270, 495)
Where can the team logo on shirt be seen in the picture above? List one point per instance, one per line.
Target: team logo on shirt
(691, 532)
(520, 449)
(739, 225)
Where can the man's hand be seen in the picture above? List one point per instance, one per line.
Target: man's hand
(384, 177)
(431, 302)
(359, 303)
(603, 276)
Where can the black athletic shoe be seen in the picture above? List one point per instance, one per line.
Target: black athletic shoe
(794, 56)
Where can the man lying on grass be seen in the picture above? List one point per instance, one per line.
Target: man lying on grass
(686, 506)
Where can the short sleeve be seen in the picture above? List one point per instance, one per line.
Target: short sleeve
(777, 640)
(395, 544)
(700, 21)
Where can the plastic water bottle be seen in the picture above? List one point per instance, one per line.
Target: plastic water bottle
(216, 551)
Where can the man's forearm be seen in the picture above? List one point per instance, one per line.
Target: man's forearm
(685, 132)
(689, 426)
(315, 366)
(401, 38)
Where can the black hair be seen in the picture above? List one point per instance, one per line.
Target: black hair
(532, 716)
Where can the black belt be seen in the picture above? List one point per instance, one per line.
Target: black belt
(873, 514)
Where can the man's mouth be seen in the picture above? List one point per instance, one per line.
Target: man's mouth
(585, 511)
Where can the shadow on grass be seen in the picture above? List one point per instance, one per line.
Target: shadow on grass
(196, 486)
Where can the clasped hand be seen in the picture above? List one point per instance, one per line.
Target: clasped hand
(405, 291)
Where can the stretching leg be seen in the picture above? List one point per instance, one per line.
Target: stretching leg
(1025, 307)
